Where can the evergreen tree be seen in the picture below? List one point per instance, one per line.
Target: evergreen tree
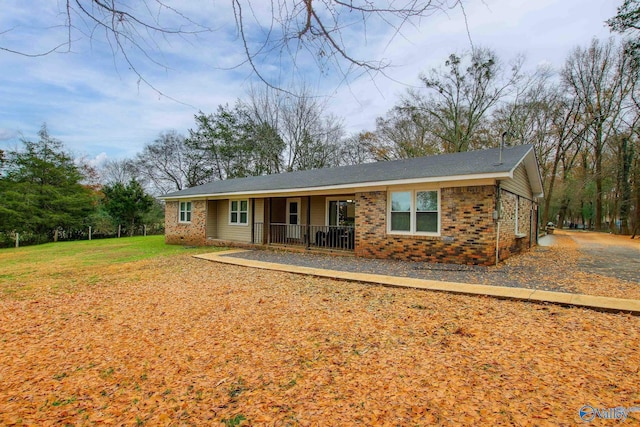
(41, 189)
(127, 203)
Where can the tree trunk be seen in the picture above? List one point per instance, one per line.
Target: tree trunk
(599, 194)
(547, 201)
(562, 213)
(625, 184)
(636, 226)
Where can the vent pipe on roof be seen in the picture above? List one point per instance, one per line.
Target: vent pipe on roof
(504, 134)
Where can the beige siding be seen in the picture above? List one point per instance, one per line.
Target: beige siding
(212, 219)
(318, 210)
(226, 231)
(519, 184)
(304, 209)
(259, 210)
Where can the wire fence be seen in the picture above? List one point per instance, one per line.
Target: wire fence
(15, 239)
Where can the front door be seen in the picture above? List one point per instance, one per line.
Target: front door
(293, 218)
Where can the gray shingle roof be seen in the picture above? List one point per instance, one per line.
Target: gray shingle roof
(444, 165)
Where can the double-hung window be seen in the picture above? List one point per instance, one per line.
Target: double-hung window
(426, 211)
(401, 211)
(239, 212)
(185, 212)
(415, 212)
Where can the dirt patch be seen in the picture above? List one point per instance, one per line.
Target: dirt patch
(181, 341)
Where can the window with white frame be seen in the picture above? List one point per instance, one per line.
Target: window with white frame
(239, 212)
(415, 212)
(185, 212)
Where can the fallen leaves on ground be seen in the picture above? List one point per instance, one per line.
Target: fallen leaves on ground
(182, 341)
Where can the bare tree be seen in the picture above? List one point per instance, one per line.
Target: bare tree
(264, 109)
(458, 100)
(311, 137)
(270, 132)
(600, 76)
(404, 132)
(169, 164)
(543, 115)
(118, 171)
(358, 149)
(267, 32)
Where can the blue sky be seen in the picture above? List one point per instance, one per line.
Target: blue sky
(100, 109)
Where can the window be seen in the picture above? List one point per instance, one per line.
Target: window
(401, 211)
(415, 212)
(341, 212)
(427, 211)
(185, 212)
(239, 212)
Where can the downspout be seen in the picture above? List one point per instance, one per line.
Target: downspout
(531, 215)
(497, 215)
(268, 221)
(537, 224)
(308, 233)
(497, 212)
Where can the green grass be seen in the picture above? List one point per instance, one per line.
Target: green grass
(63, 266)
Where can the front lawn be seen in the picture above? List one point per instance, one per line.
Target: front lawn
(64, 266)
(166, 339)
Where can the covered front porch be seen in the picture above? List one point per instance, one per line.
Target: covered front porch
(323, 222)
(312, 222)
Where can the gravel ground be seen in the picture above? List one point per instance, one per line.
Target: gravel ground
(504, 275)
(564, 262)
(609, 255)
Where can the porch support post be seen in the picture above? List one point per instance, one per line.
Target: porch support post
(253, 220)
(267, 223)
(308, 222)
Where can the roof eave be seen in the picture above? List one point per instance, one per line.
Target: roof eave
(352, 186)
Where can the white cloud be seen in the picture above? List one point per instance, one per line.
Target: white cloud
(7, 134)
(98, 160)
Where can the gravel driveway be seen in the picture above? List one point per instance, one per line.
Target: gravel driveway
(611, 256)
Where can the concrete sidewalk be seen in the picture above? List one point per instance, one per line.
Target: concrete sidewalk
(533, 295)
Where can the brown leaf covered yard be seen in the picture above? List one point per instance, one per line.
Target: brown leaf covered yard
(174, 340)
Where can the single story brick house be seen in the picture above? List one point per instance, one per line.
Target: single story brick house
(475, 207)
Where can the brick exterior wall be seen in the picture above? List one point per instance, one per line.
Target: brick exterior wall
(193, 233)
(467, 229)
